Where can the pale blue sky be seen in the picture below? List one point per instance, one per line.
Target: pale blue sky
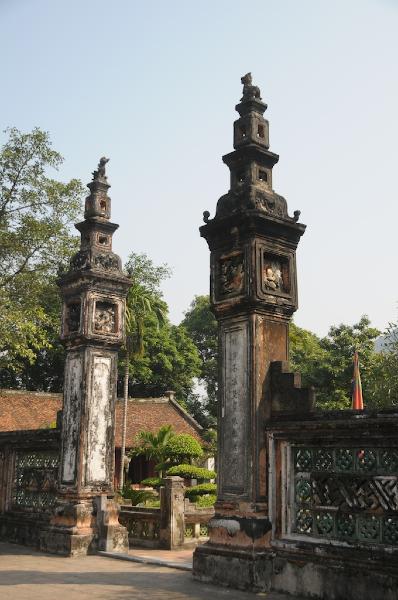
(153, 86)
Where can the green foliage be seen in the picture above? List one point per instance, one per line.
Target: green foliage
(382, 385)
(192, 472)
(206, 501)
(183, 447)
(170, 362)
(153, 445)
(210, 442)
(162, 355)
(35, 217)
(151, 503)
(154, 482)
(145, 273)
(136, 496)
(200, 490)
(200, 324)
(327, 363)
(306, 354)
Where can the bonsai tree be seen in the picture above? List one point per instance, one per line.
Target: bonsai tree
(182, 448)
(192, 472)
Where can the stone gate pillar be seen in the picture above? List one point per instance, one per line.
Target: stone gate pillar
(93, 292)
(253, 241)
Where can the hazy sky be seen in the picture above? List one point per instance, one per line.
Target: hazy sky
(153, 85)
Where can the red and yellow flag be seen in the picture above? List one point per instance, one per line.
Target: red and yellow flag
(357, 400)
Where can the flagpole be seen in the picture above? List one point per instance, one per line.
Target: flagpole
(356, 397)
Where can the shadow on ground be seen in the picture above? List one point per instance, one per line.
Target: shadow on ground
(29, 575)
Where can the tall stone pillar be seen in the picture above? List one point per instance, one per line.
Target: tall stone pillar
(93, 322)
(253, 241)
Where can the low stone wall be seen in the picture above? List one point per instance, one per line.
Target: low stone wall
(142, 524)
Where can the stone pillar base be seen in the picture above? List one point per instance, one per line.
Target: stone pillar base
(63, 541)
(233, 567)
(80, 527)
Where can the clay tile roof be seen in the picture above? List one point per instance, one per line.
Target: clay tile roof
(20, 410)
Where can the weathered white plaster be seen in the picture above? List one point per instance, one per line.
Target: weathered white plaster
(100, 420)
(71, 418)
(232, 527)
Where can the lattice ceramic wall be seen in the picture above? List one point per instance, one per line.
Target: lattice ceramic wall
(35, 483)
(347, 494)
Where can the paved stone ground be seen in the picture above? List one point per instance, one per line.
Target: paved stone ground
(29, 575)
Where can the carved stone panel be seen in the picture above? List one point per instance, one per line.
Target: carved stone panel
(234, 410)
(100, 421)
(231, 275)
(275, 275)
(72, 317)
(105, 317)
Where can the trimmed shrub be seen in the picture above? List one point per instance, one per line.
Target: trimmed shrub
(136, 496)
(206, 501)
(192, 472)
(154, 482)
(183, 447)
(200, 490)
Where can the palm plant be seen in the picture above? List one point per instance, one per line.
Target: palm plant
(141, 303)
(154, 445)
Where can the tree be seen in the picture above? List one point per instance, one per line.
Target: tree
(382, 386)
(327, 363)
(143, 300)
(182, 448)
(340, 344)
(201, 325)
(36, 212)
(159, 356)
(307, 356)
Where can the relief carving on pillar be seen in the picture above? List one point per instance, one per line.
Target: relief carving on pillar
(72, 318)
(105, 317)
(232, 274)
(106, 261)
(275, 275)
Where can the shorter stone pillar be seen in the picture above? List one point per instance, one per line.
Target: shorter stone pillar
(172, 526)
(111, 537)
(94, 293)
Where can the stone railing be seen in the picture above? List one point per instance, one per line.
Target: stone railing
(142, 524)
(177, 523)
(334, 501)
(196, 522)
(346, 494)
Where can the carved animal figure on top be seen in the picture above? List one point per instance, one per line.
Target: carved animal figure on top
(250, 91)
(100, 172)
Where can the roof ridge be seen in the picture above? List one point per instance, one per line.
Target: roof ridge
(10, 392)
